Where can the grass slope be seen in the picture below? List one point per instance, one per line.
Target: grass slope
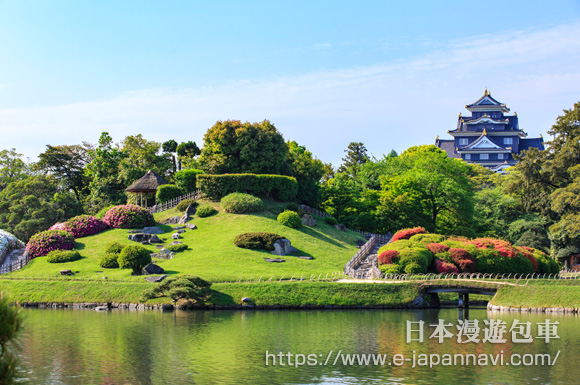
(540, 294)
(212, 254)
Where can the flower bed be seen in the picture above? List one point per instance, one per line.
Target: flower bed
(128, 216)
(83, 226)
(44, 242)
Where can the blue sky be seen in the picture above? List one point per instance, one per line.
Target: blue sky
(389, 74)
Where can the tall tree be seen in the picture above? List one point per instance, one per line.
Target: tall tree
(12, 167)
(308, 172)
(170, 147)
(141, 155)
(236, 147)
(187, 152)
(356, 155)
(67, 164)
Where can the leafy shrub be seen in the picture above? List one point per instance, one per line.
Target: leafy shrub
(504, 247)
(184, 204)
(257, 241)
(437, 248)
(281, 187)
(114, 248)
(101, 213)
(401, 245)
(529, 255)
(239, 203)
(546, 265)
(134, 257)
(414, 268)
(388, 257)
(128, 216)
(444, 267)
(422, 257)
(460, 254)
(496, 263)
(167, 192)
(177, 248)
(206, 211)
(292, 207)
(391, 269)
(408, 233)
(331, 221)
(428, 238)
(290, 219)
(467, 266)
(109, 261)
(46, 241)
(84, 225)
(57, 226)
(61, 256)
(186, 179)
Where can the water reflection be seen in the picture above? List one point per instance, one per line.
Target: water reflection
(228, 347)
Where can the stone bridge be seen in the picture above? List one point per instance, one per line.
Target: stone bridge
(428, 293)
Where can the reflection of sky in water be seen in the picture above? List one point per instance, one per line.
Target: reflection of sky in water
(228, 347)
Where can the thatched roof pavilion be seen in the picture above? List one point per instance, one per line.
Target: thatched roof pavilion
(147, 184)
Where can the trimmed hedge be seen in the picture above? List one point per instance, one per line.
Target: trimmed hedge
(114, 248)
(42, 243)
(428, 238)
(388, 257)
(257, 241)
(184, 204)
(128, 216)
(62, 256)
(134, 257)
(401, 245)
(290, 219)
(331, 221)
(206, 211)
(444, 267)
(498, 264)
(437, 248)
(421, 257)
(109, 261)
(177, 248)
(281, 187)
(391, 269)
(240, 203)
(167, 192)
(408, 233)
(186, 179)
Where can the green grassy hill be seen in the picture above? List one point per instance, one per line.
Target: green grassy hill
(212, 254)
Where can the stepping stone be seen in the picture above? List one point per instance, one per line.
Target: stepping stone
(66, 272)
(309, 258)
(275, 260)
(156, 279)
(191, 226)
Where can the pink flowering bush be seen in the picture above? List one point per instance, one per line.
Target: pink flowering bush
(46, 241)
(84, 225)
(128, 216)
(57, 226)
(443, 267)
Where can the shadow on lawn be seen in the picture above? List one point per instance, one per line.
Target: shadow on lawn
(323, 237)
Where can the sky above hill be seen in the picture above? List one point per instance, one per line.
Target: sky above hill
(326, 73)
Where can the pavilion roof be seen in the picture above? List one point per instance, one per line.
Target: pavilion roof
(148, 183)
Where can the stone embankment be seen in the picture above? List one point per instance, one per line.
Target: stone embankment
(509, 309)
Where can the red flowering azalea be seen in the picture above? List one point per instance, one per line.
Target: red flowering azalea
(443, 267)
(388, 257)
(408, 233)
(437, 248)
(467, 266)
(460, 255)
(527, 252)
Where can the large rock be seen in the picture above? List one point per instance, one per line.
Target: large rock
(189, 212)
(139, 237)
(152, 230)
(155, 239)
(66, 272)
(175, 236)
(283, 247)
(172, 221)
(308, 220)
(165, 254)
(153, 269)
(156, 279)
(191, 226)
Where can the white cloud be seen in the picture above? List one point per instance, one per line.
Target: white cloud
(389, 105)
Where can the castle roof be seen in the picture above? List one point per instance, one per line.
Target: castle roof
(487, 103)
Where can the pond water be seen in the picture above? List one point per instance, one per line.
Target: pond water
(229, 347)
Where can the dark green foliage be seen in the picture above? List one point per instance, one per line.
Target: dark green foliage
(276, 210)
(34, 204)
(425, 239)
(331, 221)
(114, 248)
(414, 268)
(529, 232)
(61, 256)
(292, 207)
(134, 257)
(308, 172)
(493, 262)
(356, 156)
(186, 179)
(177, 248)
(290, 219)
(206, 211)
(10, 325)
(187, 287)
(281, 187)
(101, 213)
(12, 167)
(109, 261)
(168, 192)
(257, 241)
(184, 204)
(239, 203)
(365, 222)
(420, 257)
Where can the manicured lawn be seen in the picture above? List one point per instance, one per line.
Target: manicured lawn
(540, 294)
(212, 254)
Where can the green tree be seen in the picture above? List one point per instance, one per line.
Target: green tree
(10, 325)
(308, 172)
(34, 204)
(142, 155)
(187, 152)
(170, 147)
(134, 257)
(67, 164)
(12, 167)
(356, 155)
(181, 287)
(236, 147)
(495, 209)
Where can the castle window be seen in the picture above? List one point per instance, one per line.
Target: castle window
(500, 156)
(508, 141)
(463, 141)
(484, 156)
(467, 156)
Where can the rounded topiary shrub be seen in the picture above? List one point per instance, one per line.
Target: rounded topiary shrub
(460, 254)
(401, 245)
(109, 261)
(414, 268)
(388, 257)
(84, 225)
(114, 248)
(290, 219)
(493, 262)
(134, 257)
(331, 221)
(177, 248)
(167, 192)
(408, 233)
(391, 269)
(444, 267)
(422, 257)
(292, 207)
(437, 248)
(427, 238)
(240, 203)
(184, 204)
(206, 211)
(61, 256)
(44, 242)
(257, 241)
(128, 216)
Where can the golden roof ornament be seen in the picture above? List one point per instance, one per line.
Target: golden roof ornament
(484, 131)
(460, 114)
(486, 92)
(515, 113)
(437, 138)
